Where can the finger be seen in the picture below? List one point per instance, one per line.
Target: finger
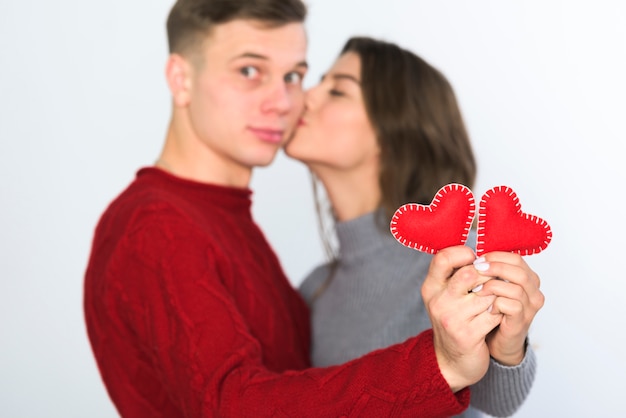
(464, 280)
(480, 304)
(514, 325)
(486, 321)
(467, 329)
(450, 259)
(443, 265)
(463, 310)
(531, 298)
(512, 295)
(456, 312)
(520, 285)
(505, 289)
(480, 284)
(516, 260)
(509, 307)
(505, 257)
(508, 267)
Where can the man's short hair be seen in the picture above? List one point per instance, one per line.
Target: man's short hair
(191, 21)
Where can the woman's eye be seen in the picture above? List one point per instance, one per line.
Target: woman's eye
(294, 78)
(250, 72)
(335, 92)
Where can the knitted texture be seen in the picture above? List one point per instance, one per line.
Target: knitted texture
(189, 314)
(373, 300)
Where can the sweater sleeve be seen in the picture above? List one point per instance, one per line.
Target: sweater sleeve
(503, 389)
(190, 329)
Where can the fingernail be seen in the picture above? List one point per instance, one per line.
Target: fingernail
(490, 308)
(481, 264)
(477, 288)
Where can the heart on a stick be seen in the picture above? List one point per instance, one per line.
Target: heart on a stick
(443, 223)
(502, 226)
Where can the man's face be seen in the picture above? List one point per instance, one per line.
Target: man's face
(245, 94)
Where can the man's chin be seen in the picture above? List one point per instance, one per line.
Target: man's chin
(264, 162)
(287, 146)
(288, 139)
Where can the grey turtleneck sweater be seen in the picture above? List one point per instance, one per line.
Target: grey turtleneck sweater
(374, 301)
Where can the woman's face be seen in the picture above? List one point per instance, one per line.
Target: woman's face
(334, 131)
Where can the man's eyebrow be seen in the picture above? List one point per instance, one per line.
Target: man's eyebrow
(265, 58)
(250, 55)
(341, 76)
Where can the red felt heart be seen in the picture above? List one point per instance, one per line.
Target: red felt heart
(443, 223)
(502, 226)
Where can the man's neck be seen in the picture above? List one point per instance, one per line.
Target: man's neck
(185, 157)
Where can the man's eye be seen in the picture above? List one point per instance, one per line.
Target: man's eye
(294, 78)
(250, 72)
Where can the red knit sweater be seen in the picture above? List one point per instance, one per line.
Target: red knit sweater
(189, 314)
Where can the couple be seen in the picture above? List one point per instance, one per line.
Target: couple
(188, 310)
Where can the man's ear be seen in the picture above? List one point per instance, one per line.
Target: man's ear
(178, 74)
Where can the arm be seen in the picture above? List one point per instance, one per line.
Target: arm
(511, 373)
(461, 319)
(504, 388)
(192, 331)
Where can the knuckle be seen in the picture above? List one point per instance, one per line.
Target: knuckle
(445, 322)
(517, 309)
(466, 275)
(540, 300)
(442, 259)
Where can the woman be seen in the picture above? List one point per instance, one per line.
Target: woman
(382, 129)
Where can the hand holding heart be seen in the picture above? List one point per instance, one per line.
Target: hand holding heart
(504, 235)
(490, 320)
(518, 299)
(460, 323)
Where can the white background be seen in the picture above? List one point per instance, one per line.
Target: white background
(83, 104)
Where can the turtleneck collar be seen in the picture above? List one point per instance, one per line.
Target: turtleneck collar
(362, 236)
(230, 198)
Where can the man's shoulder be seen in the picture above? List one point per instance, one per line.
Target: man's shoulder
(141, 205)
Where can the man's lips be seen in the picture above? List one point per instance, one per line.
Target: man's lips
(274, 136)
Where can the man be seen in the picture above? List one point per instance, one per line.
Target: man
(188, 311)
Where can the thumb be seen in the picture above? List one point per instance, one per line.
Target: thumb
(445, 262)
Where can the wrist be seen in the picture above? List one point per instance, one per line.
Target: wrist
(450, 374)
(513, 358)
